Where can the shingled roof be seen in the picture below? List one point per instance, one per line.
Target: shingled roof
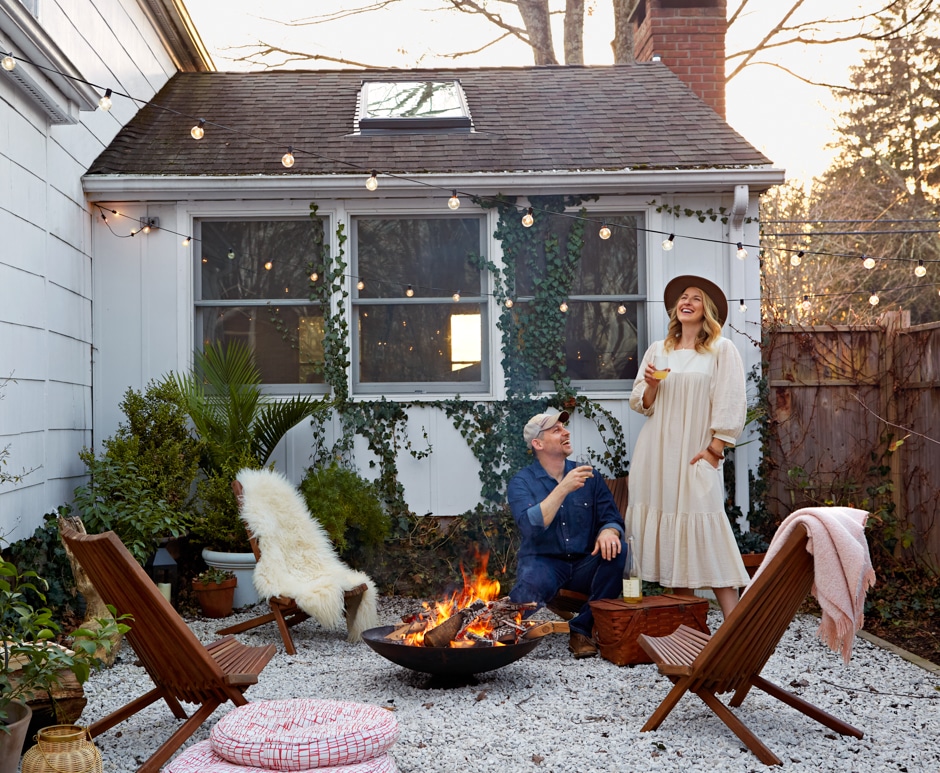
(526, 119)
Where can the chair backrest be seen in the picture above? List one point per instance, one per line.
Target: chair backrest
(239, 492)
(620, 489)
(749, 635)
(167, 648)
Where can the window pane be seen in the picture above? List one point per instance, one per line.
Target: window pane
(600, 343)
(259, 259)
(421, 343)
(287, 341)
(429, 254)
(413, 99)
(607, 266)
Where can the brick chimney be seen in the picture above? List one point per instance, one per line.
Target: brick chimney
(689, 37)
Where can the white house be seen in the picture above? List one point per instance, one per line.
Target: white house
(232, 244)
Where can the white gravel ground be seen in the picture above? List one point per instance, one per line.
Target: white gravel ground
(549, 712)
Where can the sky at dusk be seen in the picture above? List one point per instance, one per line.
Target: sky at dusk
(791, 122)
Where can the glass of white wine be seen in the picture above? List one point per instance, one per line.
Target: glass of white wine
(660, 366)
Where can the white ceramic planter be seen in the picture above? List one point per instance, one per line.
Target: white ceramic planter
(243, 566)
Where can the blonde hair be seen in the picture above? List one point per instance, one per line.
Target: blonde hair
(711, 327)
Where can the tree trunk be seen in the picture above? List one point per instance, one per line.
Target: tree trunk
(574, 32)
(622, 44)
(537, 24)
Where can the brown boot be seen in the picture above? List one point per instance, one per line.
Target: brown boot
(581, 646)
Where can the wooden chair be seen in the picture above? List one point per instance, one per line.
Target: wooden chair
(284, 610)
(568, 603)
(182, 669)
(732, 658)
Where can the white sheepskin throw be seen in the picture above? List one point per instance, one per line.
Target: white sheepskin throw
(297, 557)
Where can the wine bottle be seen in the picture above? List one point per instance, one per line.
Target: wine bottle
(632, 584)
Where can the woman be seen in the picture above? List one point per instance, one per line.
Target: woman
(676, 512)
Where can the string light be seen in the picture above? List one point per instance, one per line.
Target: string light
(187, 241)
(806, 304)
(795, 260)
(456, 296)
(742, 252)
(314, 276)
(105, 102)
(508, 303)
(743, 306)
(199, 130)
(9, 63)
(410, 292)
(869, 263)
(604, 233)
(230, 254)
(528, 219)
(360, 285)
(563, 307)
(921, 269)
(288, 158)
(669, 242)
(622, 309)
(268, 265)
(372, 181)
(453, 202)
(146, 228)
(873, 299)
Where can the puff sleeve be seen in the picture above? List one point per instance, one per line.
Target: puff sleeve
(728, 399)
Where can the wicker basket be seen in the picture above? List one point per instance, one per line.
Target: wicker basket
(617, 625)
(62, 749)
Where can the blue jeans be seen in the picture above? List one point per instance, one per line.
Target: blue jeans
(539, 578)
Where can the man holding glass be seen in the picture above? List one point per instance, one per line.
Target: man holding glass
(572, 532)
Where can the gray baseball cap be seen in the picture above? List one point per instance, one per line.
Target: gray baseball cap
(541, 422)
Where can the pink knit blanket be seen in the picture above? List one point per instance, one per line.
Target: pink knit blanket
(843, 571)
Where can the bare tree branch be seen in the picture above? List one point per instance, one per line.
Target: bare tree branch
(262, 50)
(750, 54)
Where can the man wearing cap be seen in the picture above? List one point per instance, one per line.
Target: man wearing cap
(572, 532)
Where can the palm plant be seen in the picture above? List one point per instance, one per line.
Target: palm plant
(240, 427)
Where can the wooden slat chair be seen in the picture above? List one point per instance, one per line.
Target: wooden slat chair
(284, 610)
(568, 603)
(731, 659)
(182, 669)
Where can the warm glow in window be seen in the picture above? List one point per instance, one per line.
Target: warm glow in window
(466, 343)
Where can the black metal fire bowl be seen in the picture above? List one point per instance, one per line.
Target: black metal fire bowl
(446, 661)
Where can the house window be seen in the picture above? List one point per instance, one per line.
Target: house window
(603, 324)
(412, 106)
(409, 334)
(32, 6)
(253, 285)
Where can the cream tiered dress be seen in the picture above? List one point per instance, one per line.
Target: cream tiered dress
(676, 512)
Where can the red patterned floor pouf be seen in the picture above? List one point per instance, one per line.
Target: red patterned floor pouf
(200, 758)
(303, 733)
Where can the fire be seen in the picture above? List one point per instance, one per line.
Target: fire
(477, 587)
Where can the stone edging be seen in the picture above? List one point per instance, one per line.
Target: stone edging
(917, 660)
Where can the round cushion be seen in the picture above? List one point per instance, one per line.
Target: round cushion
(201, 758)
(303, 733)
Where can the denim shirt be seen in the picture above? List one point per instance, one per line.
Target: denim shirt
(581, 517)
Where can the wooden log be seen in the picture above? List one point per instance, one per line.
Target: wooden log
(543, 629)
(443, 634)
(403, 631)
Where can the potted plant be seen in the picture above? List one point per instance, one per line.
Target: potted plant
(215, 591)
(31, 662)
(240, 427)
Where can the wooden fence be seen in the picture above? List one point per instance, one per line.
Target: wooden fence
(840, 400)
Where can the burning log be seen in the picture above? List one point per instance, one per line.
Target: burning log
(443, 634)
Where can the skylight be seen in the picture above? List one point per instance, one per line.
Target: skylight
(412, 106)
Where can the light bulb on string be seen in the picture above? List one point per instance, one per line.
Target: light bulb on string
(268, 265)
(795, 260)
(806, 303)
(9, 63)
(314, 276)
(669, 242)
(187, 241)
(921, 269)
(410, 292)
(146, 228)
(230, 254)
(742, 252)
(622, 309)
(360, 285)
(199, 130)
(105, 102)
(205, 259)
(563, 307)
(742, 306)
(528, 219)
(372, 181)
(456, 296)
(453, 202)
(869, 263)
(873, 299)
(604, 233)
(508, 303)
(288, 158)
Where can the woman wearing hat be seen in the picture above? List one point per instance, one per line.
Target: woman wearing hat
(676, 512)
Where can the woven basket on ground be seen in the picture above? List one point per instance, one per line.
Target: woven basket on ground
(62, 749)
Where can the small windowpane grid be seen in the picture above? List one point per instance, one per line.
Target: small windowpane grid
(398, 105)
(254, 284)
(422, 340)
(601, 343)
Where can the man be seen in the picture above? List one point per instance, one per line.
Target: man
(572, 532)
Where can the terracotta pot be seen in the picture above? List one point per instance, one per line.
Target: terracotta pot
(11, 744)
(216, 599)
